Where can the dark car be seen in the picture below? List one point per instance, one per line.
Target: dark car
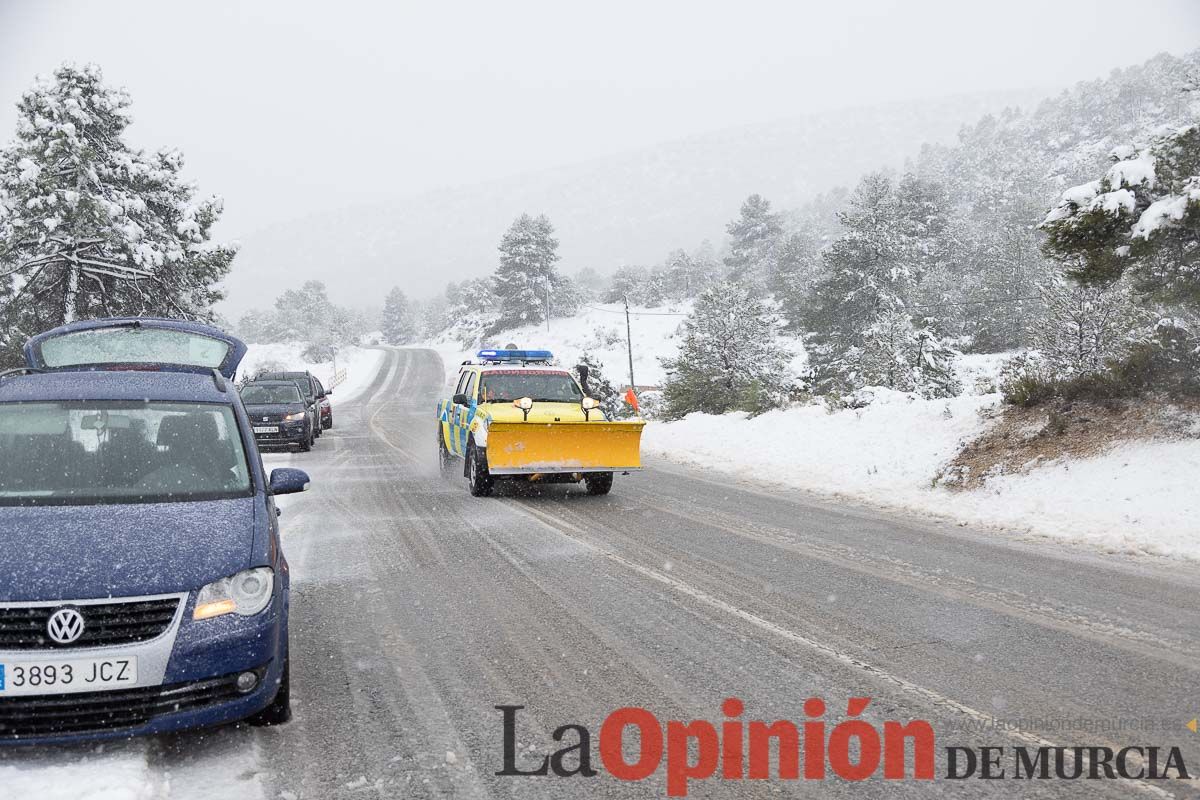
(143, 586)
(325, 405)
(278, 414)
(309, 386)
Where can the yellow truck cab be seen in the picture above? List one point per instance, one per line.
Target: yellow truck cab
(515, 416)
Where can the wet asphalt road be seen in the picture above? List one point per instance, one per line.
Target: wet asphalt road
(416, 609)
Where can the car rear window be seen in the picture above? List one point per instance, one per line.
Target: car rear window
(119, 452)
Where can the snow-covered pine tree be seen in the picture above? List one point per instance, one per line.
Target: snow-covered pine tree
(90, 227)
(602, 389)
(526, 282)
(627, 282)
(471, 310)
(398, 323)
(729, 358)
(1085, 328)
(862, 302)
(753, 236)
(904, 356)
(794, 271)
(1142, 217)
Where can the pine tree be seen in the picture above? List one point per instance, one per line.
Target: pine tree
(1086, 328)
(601, 388)
(863, 301)
(1142, 216)
(90, 227)
(471, 311)
(398, 323)
(526, 282)
(900, 355)
(729, 358)
(754, 236)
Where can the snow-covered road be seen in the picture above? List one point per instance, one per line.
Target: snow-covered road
(417, 609)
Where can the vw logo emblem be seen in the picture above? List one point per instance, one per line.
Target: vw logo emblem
(65, 625)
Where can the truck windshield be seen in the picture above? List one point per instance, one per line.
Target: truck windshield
(546, 387)
(270, 395)
(119, 452)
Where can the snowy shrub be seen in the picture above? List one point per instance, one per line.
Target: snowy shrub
(1025, 380)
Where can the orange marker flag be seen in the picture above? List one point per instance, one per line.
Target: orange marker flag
(632, 400)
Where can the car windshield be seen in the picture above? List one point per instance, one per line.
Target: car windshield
(546, 387)
(119, 452)
(270, 395)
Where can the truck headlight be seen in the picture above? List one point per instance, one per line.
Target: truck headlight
(246, 594)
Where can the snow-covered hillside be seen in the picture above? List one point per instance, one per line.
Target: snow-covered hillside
(598, 330)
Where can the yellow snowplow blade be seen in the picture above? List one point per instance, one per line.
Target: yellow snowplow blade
(520, 448)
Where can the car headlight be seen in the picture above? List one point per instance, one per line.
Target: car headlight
(299, 415)
(246, 593)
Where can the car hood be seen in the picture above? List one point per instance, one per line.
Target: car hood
(541, 412)
(85, 552)
(272, 408)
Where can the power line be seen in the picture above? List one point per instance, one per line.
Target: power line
(637, 313)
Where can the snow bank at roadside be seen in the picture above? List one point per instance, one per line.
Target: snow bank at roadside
(108, 776)
(1138, 497)
(360, 363)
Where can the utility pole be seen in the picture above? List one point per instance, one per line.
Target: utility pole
(629, 343)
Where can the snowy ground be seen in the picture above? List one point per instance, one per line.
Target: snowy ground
(597, 329)
(360, 364)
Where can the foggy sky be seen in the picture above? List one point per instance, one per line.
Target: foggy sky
(285, 108)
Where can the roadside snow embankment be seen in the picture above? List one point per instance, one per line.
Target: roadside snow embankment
(360, 363)
(1137, 496)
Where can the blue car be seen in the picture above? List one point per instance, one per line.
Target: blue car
(143, 588)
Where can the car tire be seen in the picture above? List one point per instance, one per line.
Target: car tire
(479, 480)
(598, 482)
(280, 709)
(307, 442)
(445, 460)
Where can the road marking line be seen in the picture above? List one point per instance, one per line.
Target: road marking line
(906, 686)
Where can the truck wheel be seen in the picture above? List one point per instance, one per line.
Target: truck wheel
(445, 460)
(479, 480)
(598, 482)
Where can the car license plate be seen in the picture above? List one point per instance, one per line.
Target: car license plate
(62, 676)
(266, 429)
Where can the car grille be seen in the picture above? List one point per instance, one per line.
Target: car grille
(90, 712)
(120, 622)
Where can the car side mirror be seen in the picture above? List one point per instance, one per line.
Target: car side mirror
(461, 400)
(286, 480)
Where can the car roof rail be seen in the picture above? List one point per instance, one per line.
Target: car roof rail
(9, 373)
(219, 381)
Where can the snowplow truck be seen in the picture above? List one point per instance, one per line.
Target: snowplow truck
(513, 416)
